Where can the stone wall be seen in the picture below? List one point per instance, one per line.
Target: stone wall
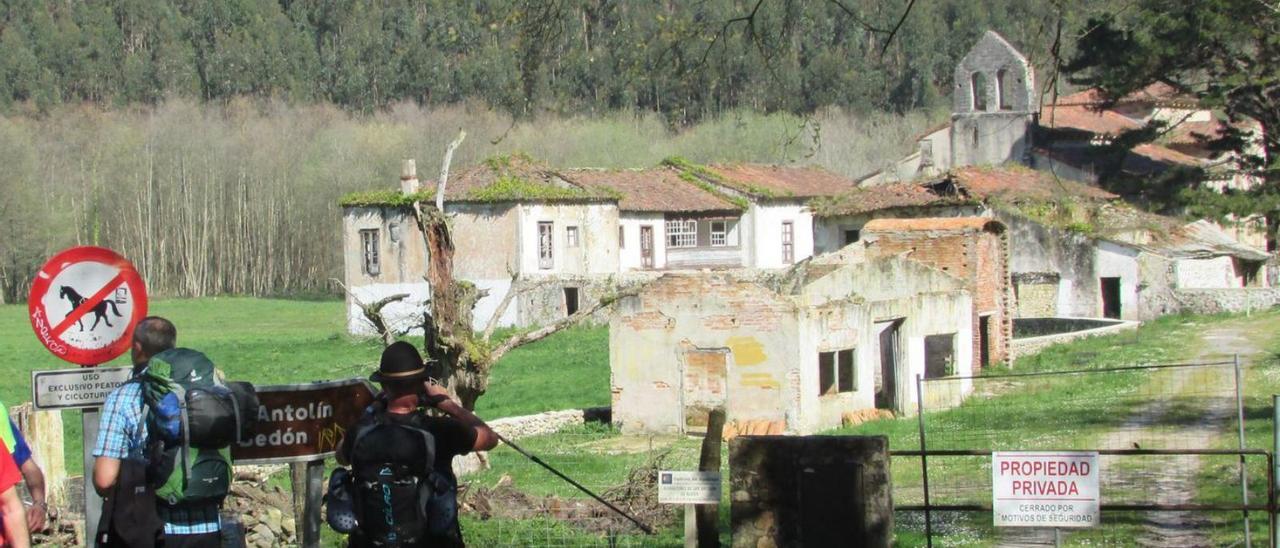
(514, 428)
(1213, 301)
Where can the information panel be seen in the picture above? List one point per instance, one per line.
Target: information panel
(685, 487)
(1049, 489)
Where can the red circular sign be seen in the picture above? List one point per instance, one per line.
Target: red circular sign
(84, 303)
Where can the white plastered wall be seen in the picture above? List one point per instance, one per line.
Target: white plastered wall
(1212, 273)
(629, 254)
(764, 238)
(597, 250)
(1118, 261)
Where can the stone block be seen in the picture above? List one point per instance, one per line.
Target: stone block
(810, 491)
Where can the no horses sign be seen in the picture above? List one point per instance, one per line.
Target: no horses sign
(84, 303)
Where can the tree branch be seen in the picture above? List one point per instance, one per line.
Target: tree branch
(373, 312)
(444, 168)
(894, 32)
(543, 332)
(517, 288)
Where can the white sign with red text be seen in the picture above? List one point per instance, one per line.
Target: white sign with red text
(1045, 489)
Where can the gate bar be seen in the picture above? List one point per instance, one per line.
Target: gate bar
(1079, 371)
(1107, 506)
(987, 452)
(924, 466)
(1244, 474)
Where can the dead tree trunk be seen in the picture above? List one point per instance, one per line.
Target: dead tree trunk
(463, 358)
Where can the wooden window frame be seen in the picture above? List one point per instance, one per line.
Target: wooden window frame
(371, 252)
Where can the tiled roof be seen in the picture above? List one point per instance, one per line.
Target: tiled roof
(959, 186)
(514, 178)
(658, 189)
(1084, 117)
(1144, 159)
(1158, 92)
(933, 223)
(1149, 159)
(771, 181)
(886, 196)
(1203, 239)
(1017, 182)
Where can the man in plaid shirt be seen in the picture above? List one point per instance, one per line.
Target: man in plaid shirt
(123, 436)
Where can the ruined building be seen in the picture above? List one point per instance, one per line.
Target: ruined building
(828, 341)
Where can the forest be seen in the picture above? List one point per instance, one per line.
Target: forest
(210, 141)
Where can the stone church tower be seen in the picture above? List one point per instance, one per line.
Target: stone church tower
(994, 109)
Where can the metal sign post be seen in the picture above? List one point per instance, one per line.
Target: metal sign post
(83, 305)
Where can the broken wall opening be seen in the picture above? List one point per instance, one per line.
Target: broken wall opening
(705, 385)
(939, 355)
(886, 375)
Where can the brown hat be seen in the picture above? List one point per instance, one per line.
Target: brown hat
(400, 362)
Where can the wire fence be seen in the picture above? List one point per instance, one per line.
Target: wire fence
(1171, 437)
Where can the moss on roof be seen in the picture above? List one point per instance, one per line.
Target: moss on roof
(382, 198)
(507, 188)
(702, 177)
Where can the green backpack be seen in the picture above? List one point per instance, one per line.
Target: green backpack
(192, 419)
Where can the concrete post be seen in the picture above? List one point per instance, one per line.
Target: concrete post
(43, 431)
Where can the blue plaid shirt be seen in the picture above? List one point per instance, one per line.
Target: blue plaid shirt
(121, 435)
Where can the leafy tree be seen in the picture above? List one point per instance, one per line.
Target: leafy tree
(1226, 53)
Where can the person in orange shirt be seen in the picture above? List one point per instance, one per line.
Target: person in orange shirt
(11, 511)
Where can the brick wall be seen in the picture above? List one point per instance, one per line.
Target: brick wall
(980, 259)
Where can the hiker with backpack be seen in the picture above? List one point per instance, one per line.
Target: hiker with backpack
(401, 486)
(163, 454)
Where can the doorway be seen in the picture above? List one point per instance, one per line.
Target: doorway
(646, 247)
(890, 357)
(570, 301)
(1110, 297)
(984, 340)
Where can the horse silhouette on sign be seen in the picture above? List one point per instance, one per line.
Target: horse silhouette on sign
(99, 310)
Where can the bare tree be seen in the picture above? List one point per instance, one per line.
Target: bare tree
(464, 358)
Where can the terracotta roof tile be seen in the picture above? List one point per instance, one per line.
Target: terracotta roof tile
(1086, 118)
(658, 189)
(513, 178)
(1147, 153)
(770, 181)
(1016, 182)
(886, 196)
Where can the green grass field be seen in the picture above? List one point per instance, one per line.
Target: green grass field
(274, 341)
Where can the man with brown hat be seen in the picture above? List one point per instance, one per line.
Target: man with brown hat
(401, 457)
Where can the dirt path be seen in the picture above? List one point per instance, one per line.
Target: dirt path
(1172, 481)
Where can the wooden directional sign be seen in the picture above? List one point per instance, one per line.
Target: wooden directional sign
(75, 388)
(84, 303)
(302, 422)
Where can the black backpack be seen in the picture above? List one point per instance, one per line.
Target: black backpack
(400, 504)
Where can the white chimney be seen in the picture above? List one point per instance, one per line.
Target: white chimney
(409, 178)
